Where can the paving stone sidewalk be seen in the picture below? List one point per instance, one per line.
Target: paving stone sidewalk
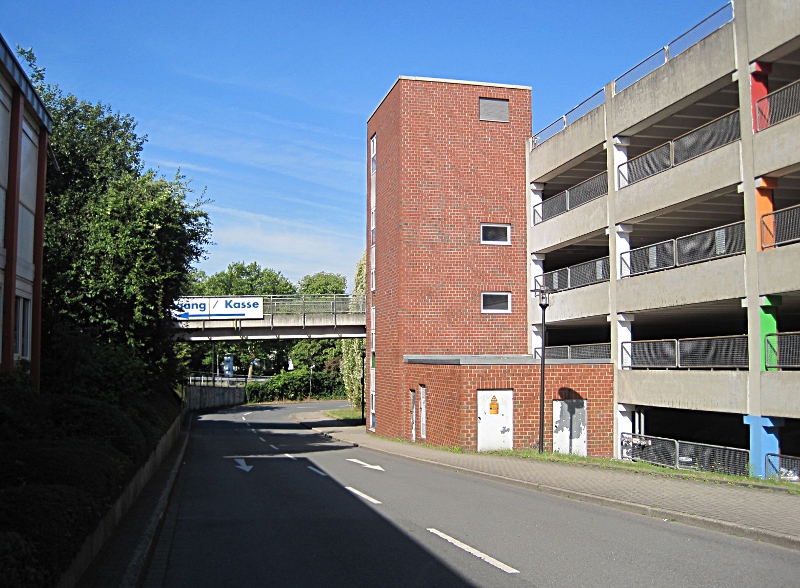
(764, 514)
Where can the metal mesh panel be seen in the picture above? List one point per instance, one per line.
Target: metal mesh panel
(556, 352)
(778, 106)
(650, 353)
(655, 450)
(651, 258)
(315, 304)
(554, 206)
(637, 72)
(648, 164)
(557, 280)
(713, 352)
(710, 244)
(593, 351)
(701, 30)
(783, 350)
(784, 467)
(590, 272)
(715, 134)
(781, 227)
(713, 458)
(493, 109)
(589, 190)
(550, 130)
(585, 107)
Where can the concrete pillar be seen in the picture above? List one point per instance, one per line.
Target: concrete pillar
(763, 440)
(536, 339)
(537, 190)
(620, 153)
(624, 330)
(537, 269)
(622, 238)
(625, 414)
(759, 87)
(765, 205)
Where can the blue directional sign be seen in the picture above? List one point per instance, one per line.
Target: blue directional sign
(219, 308)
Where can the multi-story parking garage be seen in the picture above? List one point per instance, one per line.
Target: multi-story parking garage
(663, 215)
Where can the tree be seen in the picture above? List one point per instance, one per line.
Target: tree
(322, 283)
(119, 239)
(351, 348)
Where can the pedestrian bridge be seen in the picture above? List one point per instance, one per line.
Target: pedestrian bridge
(298, 316)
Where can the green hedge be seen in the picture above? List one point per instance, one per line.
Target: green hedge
(294, 385)
(64, 460)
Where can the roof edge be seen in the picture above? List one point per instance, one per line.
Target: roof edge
(25, 85)
(444, 81)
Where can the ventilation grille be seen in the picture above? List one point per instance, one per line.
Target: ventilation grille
(494, 109)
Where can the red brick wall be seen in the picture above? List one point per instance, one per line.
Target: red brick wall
(452, 408)
(441, 172)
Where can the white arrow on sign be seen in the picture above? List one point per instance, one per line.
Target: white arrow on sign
(243, 465)
(366, 465)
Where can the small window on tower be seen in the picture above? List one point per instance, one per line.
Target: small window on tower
(495, 234)
(496, 302)
(493, 109)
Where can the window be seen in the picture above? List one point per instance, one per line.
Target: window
(496, 302)
(22, 328)
(495, 234)
(373, 152)
(493, 109)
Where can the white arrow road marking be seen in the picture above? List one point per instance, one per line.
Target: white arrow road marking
(313, 469)
(366, 465)
(275, 448)
(243, 465)
(479, 554)
(362, 495)
(290, 456)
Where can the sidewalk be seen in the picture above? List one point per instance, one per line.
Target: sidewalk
(764, 514)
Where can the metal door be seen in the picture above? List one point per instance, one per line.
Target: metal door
(495, 420)
(413, 415)
(423, 412)
(569, 426)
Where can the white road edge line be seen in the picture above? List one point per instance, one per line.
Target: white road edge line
(247, 413)
(290, 456)
(264, 440)
(242, 418)
(479, 554)
(275, 448)
(313, 469)
(362, 495)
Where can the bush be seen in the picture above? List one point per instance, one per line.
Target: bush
(294, 386)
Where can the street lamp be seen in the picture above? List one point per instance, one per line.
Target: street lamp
(363, 361)
(544, 301)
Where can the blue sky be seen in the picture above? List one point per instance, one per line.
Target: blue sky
(265, 103)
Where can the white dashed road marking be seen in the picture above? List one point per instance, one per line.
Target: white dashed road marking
(479, 554)
(362, 495)
(313, 469)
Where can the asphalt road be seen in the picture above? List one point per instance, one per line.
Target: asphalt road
(298, 511)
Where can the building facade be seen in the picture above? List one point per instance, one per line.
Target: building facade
(663, 215)
(24, 128)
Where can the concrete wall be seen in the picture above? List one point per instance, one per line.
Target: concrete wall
(662, 91)
(576, 303)
(776, 147)
(707, 173)
(569, 227)
(577, 142)
(720, 279)
(717, 391)
(770, 24)
(779, 269)
(780, 394)
(199, 397)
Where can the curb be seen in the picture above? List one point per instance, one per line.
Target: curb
(726, 527)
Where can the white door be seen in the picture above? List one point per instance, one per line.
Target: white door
(423, 412)
(495, 420)
(569, 426)
(413, 415)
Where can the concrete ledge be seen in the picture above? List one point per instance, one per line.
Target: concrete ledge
(577, 303)
(94, 543)
(779, 269)
(567, 228)
(780, 394)
(716, 391)
(199, 397)
(770, 24)
(579, 141)
(493, 360)
(777, 147)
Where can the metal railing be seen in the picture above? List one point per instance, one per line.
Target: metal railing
(211, 379)
(780, 227)
(594, 101)
(588, 351)
(782, 350)
(578, 195)
(575, 276)
(691, 37)
(778, 106)
(784, 467)
(685, 455)
(712, 135)
(695, 248)
(701, 352)
(315, 304)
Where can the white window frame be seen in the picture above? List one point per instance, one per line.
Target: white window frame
(508, 234)
(22, 329)
(492, 311)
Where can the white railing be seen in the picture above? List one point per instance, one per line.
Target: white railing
(588, 190)
(777, 106)
(575, 276)
(586, 352)
(691, 37)
(701, 352)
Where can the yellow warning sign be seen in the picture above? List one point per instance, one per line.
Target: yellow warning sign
(494, 406)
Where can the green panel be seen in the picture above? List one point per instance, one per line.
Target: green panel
(769, 325)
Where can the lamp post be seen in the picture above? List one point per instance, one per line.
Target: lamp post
(310, 377)
(363, 360)
(544, 301)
